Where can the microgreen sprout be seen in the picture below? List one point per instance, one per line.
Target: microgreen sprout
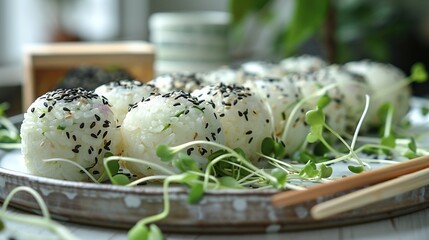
(41, 221)
(140, 229)
(300, 103)
(82, 169)
(273, 147)
(236, 154)
(9, 134)
(418, 75)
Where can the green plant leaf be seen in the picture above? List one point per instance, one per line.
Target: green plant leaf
(315, 117)
(185, 163)
(280, 175)
(307, 18)
(424, 110)
(309, 170)
(239, 9)
(138, 232)
(229, 182)
(196, 192)
(120, 179)
(418, 73)
(267, 146)
(155, 233)
(384, 109)
(355, 169)
(389, 141)
(113, 166)
(323, 101)
(164, 152)
(325, 171)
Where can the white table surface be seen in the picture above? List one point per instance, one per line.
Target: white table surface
(407, 227)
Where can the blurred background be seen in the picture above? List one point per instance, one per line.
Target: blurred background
(391, 31)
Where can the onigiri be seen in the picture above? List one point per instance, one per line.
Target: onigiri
(169, 119)
(74, 124)
(123, 94)
(244, 116)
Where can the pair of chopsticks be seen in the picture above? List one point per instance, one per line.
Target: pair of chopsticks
(386, 182)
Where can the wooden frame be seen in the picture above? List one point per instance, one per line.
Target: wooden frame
(44, 65)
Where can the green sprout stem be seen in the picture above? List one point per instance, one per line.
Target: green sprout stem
(210, 166)
(239, 158)
(294, 111)
(10, 146)
(279, 162)
(73, 163)
(9, 126)
(147, 179)
(163, 214)
(389, 121)
(135, 160)
(44, 221)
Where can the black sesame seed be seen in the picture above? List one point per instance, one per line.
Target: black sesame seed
(82, 125)
(249, 132)
(42, 115)
(250, 140)
(68, 135)
(92, 125)
(189, 151)
(93, 135)
(97, 117)
(202, 151)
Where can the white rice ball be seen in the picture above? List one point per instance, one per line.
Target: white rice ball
(302, 64)
(169, 119)
(186, 82)
(282, 96)
(245, 117)
(259, 69)
(382, 79)
(74, 124)
(351, 89)
(225, 75)
(123, 94)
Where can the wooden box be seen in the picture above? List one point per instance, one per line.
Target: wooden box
(45, 65)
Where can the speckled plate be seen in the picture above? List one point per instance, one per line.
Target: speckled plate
(225, 211)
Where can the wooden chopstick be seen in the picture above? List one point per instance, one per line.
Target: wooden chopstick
(371, 194)
(293, 197)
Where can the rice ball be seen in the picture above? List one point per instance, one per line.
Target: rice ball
(186, 82)
(74, 124)
(258, 69)
(123, 94)
(382, 79)
(225, 75)
(282, 96)
(169, 119)
(245, 117)
(302, 64)
(351, 89)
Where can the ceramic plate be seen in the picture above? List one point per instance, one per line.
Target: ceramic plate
(223, 211)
